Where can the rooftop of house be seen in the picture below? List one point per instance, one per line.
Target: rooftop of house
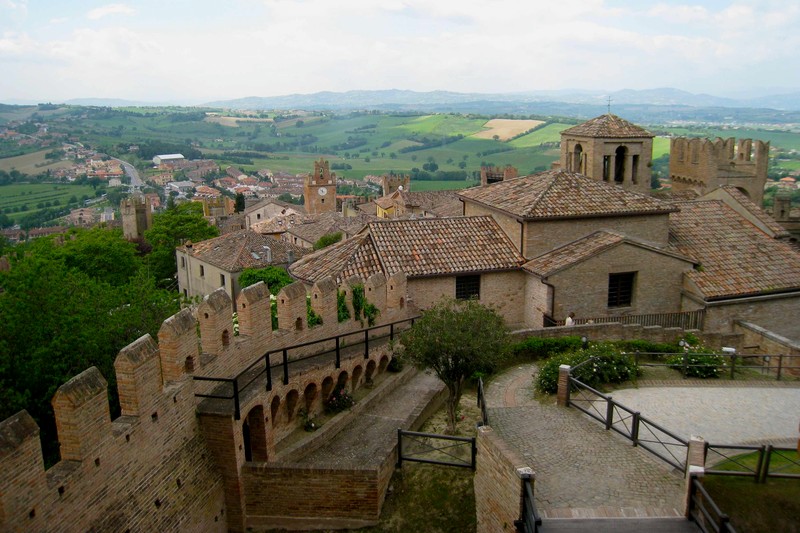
(735, 257)
(438, 203)
(242, 249)
(418, 247)
(274, 201)
(554, 194)
(584, 248)
(762, 217)
(607, 125)
(312, 227)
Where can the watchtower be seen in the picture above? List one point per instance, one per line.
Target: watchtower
(137, 217)
(391, 182)
(319, 189)
(611, 149)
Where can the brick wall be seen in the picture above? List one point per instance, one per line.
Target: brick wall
(159, 466)
(498, 486)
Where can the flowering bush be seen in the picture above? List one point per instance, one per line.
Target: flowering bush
(235, 324)
(698, 365)
(610, 366)
(338, 401)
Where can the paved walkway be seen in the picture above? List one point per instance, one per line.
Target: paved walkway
(584, 471)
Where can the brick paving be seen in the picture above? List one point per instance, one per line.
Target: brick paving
(584, 471)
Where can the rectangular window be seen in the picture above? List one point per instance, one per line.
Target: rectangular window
(222, 280)
(606, 167)
(202, 271)
(468, 287)
(635, 169)
(620, 289)
(183, 262)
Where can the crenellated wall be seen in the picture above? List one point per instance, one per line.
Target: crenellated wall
(701, 165)
(166, 464)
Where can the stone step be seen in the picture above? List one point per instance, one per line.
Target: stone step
(618, 525)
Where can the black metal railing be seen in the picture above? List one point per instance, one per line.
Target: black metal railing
(683, 320)
(704, 512)
(641, 431)
(725, 460)
(777, 366)
(436, 449)
(482, 403)
(529, 520)
(233, 388)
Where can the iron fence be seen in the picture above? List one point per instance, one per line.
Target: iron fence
(771, 461)
(683, 320)
(704, 512)
(641, 431)
(772, 366)
(233, 388)
(482, 403)
(436, 449)
(529, 521)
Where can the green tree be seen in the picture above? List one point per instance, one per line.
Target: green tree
(170, 229)
(456, 339)
(327, 240)
(274, 277)
(100, 253)
(239, 207)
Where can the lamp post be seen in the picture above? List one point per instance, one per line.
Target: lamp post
(585, 342)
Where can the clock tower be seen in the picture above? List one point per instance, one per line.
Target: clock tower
(319, 189)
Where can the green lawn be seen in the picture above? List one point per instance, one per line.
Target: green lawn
(33, 163)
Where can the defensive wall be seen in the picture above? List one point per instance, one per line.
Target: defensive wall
(701, 165)
(168, 464)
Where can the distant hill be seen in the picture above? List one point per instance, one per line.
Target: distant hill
(664, 104)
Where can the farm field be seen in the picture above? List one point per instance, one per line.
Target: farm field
(27, 197)
(506, 128)
(547, 134)
(33, 163)
(420, 185)
(233, 122)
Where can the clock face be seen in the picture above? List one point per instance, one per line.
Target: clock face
(322, 191)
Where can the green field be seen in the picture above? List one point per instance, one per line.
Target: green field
(546, 134)
(33, 163)
(26, 197)
(418, 186)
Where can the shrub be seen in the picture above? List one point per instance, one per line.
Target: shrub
(610, 366)
(537, 348)
(338, 401)
(698, 365)
(342, 312)
(647, 346)
(396, 363)
(312, 317)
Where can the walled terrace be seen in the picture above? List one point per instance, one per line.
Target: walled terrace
(172, 461)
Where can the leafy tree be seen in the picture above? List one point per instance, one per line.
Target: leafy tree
(170, 229)
(456, 339)
(239, 207)
(274, 277)
(327, 240)
(101, 253)
(61, 316)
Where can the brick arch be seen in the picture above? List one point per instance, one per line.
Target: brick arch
(371, 367)
(309, 397)
(327, 387)
(226, 338)
(341, 381)
(254, 433)
(357, 371)
(383, 364)
(291, 404)
(274, 409)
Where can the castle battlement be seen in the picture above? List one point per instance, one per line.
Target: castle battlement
(152, 466)
(702, 165)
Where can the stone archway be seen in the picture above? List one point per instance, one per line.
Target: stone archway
(357, 371)
(291, 404)
(309, 397)
(254, 433)
(274, 410)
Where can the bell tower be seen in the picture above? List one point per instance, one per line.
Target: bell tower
(611, 149)
(319, 189)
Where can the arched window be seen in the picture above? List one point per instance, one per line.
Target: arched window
(620, 155)
(577, 159)
(254, 435)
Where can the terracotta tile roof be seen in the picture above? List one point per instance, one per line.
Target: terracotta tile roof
(607, 126)
(572, 253)
(356, 256)
(242, 249)
(312, 227)
(438, 203)
(736, 258)
(421, 247)
(562, 194)
(756, 211)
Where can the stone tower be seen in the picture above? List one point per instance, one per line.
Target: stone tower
(392, 182)
(702, 165)
(319, 189)
(611, 149)
(137, 216)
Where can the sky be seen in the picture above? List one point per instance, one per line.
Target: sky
(195, 51)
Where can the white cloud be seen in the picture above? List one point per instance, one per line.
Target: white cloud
(110, 9)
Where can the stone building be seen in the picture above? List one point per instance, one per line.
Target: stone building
(491, 175)
(137, 217)
(206, 266)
